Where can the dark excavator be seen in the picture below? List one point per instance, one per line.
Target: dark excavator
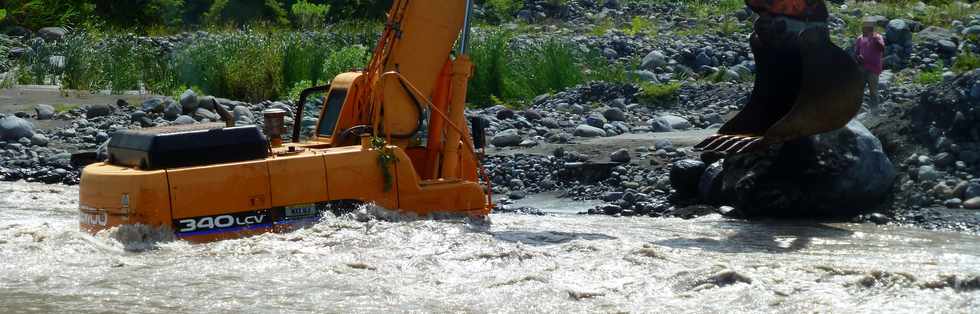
(804, 84)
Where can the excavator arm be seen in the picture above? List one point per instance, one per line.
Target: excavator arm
(804, 84)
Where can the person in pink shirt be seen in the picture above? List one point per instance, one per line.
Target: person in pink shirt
(869, 49)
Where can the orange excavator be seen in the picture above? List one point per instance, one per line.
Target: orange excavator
(804, 84)
(394, 135)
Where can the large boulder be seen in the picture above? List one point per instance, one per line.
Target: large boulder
(188, 101)
(172, 111)
(653, 60)
(676, 122)
(685, 176)
(839, 173)
(99, 110)
(44, 112)
(14, 128)
(585, 130)
(155, 104)
(506, 138)
(898, 32)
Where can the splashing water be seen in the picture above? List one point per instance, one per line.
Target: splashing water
(553, 263)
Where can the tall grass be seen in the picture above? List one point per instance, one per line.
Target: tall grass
(514, 74)
(251, 65)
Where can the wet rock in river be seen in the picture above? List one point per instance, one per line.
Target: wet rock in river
(838, 173)
(685, 176)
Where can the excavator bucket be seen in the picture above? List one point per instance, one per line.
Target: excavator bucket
(804, 85)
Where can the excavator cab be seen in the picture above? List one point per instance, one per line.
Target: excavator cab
(804, 83)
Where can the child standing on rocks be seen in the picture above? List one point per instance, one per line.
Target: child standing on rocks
(870, 47)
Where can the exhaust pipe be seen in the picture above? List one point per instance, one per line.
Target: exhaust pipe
(274, 125)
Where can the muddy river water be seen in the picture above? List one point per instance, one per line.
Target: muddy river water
(560, 263)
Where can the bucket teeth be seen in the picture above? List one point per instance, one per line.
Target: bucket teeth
(707, 141)
(729, 144)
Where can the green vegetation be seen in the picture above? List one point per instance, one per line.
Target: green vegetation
(930, 76)
(61, 108)
(247, 65)
(309, 15)
(510, 75)
(966, 62)
(641, 26)
(502, 10)
(658, 94)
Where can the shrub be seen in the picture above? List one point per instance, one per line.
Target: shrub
(641, 26)
(658, 94)
(549, 66)
(244, 12)
(930, 76)
(966, 62)
(492, 76)
(35, 14)
(309, 15)
(503, 10)
(82, 63)
(344, 60)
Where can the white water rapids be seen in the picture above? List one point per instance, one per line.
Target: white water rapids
(558, 263)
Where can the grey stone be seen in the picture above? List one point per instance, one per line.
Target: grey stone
(505, 114)
(653, 60)
(664, 144)
(44, 112)
(188, 101)
(584, 130)
(95, 111)
(839, 173)
(647, 76)
(973, 203)
(184, 119)
(879, 218)
(928, 173)
(659, 124)
(506, 138)
(52, 33)
(972, 30)
(953, 203)
(676, 122)
(202, 114)
(155, 104)
(898, 32)
(243, 116)
(549, 123)
(172, 111)
(972, 190)
(614, 114)
(39, 140)
(206, 102)
(596, 120)
(13, 128)
(621, 155)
